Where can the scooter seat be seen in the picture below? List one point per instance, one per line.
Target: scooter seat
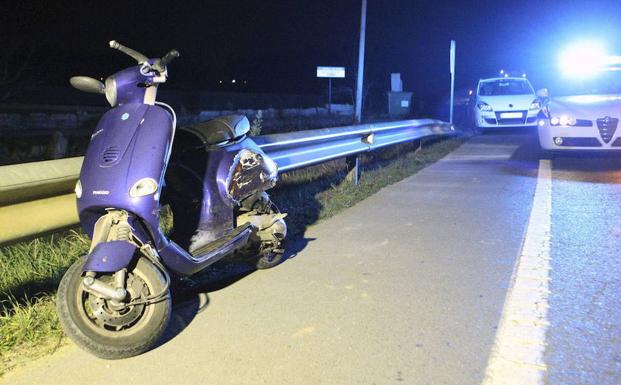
(221, 129)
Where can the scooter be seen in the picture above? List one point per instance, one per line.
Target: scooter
(115, 302)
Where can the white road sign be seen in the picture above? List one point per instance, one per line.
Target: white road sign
(330, 72)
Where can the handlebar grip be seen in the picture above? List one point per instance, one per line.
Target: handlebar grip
(170, 56)
(140, 58)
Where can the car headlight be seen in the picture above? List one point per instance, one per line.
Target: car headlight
(78, 189)
(144, 186)
(484, 106)
(563, 120)
(535, 105)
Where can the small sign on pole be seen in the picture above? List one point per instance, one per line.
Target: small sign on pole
(330, 73)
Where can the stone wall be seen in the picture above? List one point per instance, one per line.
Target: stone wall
(26, 122)
(34, 133)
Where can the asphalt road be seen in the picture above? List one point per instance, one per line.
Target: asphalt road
(409, 286)
(584, 337)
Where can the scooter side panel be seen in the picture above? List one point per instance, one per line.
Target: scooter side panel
(216, 210)
(230, 174)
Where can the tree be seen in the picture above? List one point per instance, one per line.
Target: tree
(15, 59)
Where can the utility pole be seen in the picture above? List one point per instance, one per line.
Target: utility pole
(329, 96)
(452, 65)
(363, 25)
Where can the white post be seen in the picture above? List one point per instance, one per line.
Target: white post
(452, 64)
(363, 24)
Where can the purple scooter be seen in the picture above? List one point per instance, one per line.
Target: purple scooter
(115, 302)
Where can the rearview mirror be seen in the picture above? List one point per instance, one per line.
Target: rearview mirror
(543, 93)
(86, 84)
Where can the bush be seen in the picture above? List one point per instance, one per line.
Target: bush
(257, 124)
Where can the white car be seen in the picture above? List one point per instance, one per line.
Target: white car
(583, 114)
(505, 102)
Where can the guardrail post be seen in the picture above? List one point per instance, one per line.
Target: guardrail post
(419, 145)
(60, 143)
(353, 169)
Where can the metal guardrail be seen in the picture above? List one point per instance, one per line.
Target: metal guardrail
(37, 198)
(302, 148)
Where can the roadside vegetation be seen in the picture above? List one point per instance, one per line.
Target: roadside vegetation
(30, 274)
(31, 270)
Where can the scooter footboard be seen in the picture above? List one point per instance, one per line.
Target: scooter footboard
(183, 263)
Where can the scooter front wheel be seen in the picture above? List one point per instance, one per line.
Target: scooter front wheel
(109, 331)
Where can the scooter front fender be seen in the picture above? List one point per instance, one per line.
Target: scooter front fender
(109, 257)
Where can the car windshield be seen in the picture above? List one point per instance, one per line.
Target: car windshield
(603, 83)
(505, 87)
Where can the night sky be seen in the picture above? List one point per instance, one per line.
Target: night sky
(275, 45)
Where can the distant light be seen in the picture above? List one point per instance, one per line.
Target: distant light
(502, 72)
(592, 98)
(220, 81)
(233, 81)
(245, 82)
(470, 92)
(523, 75)
(583, 59)
(506, 75)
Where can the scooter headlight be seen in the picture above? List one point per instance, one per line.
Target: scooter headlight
(78, 189)
(144, 186)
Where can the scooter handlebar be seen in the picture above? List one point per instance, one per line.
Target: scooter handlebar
(170, 56)
(140, 58)
(159, 65)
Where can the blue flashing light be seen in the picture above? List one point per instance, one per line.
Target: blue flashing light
(583, 59)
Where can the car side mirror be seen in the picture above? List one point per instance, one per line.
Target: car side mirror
(86, 84)
(543, 93)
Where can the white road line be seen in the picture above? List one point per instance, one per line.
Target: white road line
(517, 355)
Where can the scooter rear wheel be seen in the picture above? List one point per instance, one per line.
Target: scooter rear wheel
(94, 324)
(269, 260)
